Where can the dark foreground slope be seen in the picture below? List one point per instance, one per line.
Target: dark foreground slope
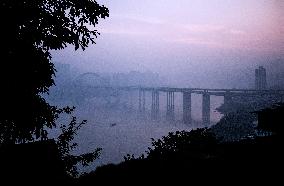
(255, 160)
(37, 163)
(198, 157)
(182, 157)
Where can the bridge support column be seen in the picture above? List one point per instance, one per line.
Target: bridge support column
(187, 107)
(206, 109)
(132, 100)
(155, 105)
(142, 101)
(118, 99)
(132, 93)
(170, 106)
(228, 98)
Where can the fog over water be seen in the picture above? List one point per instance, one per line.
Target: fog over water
(120, 131)
(183, 43)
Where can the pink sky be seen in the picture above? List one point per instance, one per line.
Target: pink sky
(197, 42)
(243, 24)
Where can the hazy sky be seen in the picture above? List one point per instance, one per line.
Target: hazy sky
(204, 43)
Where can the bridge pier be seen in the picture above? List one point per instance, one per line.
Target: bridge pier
(142, 101)
(170, 106)
(132, 95)
(228, 99)
(206, 109)
(118, 99)
(155, 105)
(187, 107)
(131, 100)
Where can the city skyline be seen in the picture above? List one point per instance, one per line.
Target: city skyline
(199, 43)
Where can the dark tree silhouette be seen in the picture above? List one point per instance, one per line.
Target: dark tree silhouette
(235, 126)
(65, 145)
(183, 142)
(30, 29)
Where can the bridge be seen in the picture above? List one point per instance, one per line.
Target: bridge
(228, 95)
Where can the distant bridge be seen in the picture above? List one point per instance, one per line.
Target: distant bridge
(228, 95)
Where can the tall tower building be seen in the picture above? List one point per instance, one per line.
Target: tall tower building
(260, 78)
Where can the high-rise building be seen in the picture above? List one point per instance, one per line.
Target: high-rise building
(260, 78)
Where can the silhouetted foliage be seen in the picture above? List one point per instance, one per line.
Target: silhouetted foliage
(130, 157)
(239, 120)
(183, 142)
(36, 163)
(271, 119)
(65, 146)
(197, 156)
(30, 29)
(235, 126)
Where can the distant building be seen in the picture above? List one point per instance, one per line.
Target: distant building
(260, 78)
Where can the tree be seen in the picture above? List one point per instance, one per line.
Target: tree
(65, 145)
(183, 144)
(235, 126)
(30, 29)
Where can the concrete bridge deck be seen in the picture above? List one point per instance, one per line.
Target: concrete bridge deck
(228, 95)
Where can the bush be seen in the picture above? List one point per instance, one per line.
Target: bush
(197, 143)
